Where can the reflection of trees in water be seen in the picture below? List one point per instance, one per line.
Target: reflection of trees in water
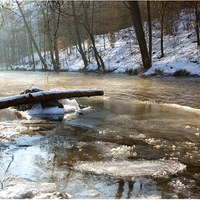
(138, 188)
(130, 186)
(121, 189)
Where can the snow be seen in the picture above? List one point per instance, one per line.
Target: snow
(19, 188)
(181, 53)
(37, 110)
(70, 105)
(10, 130)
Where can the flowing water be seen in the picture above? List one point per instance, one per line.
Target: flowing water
(140, 140)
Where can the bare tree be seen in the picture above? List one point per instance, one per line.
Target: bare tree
(31, 36)
(161, 10)
(88, 28)
(197, 20)
(150, 28)
(55, 5)
(51, 20)
(137, 22)
(76, 23)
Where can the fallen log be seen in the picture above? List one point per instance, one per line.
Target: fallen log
(42, 96)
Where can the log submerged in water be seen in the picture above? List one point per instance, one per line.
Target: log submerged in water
(42, 96)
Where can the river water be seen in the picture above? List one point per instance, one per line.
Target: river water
(140, 140)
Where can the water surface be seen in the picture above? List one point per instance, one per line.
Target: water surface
(140, 140)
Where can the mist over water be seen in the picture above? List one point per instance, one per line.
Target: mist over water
(140, 140)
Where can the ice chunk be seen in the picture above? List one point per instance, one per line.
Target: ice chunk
(19, 188)
(54, 113)
(70, 105)
(38, 110)
(132, 169)
(28, 141)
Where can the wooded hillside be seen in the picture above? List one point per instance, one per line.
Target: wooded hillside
(46, 28)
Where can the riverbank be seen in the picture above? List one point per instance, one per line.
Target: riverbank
(122, 55)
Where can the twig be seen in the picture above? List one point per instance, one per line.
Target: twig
(10, 163)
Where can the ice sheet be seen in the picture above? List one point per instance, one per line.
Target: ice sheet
(126, 169)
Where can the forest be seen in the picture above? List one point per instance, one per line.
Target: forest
(35, 32)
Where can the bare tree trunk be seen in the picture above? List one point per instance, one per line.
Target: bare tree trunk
(32, 55)
(52, 37)
(161, 34)
(98, 58)
(31, 52)
(197, 23)
(150, 29)
(49, 41)
(55, 33)
(137, 22)
(31, 36)
(6, 56)
(78, 36)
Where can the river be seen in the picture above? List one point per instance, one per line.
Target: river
(140, 140)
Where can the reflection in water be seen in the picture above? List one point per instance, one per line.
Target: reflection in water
(139, 188)
(139, 120)
(130, 188)
(120, 189)
(106, 133)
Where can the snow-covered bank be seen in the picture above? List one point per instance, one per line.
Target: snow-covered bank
(181, 53)
(122, 54)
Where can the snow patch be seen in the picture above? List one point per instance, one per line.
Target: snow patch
(69, 106)
(19, 188)
(38, 110)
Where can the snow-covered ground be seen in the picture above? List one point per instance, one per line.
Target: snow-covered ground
(123, 55)
(181, 53)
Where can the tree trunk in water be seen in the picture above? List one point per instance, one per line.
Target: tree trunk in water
(42, 96)
(29, 32)
(137, 22)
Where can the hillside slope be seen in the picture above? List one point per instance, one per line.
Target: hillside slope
(123, 54)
